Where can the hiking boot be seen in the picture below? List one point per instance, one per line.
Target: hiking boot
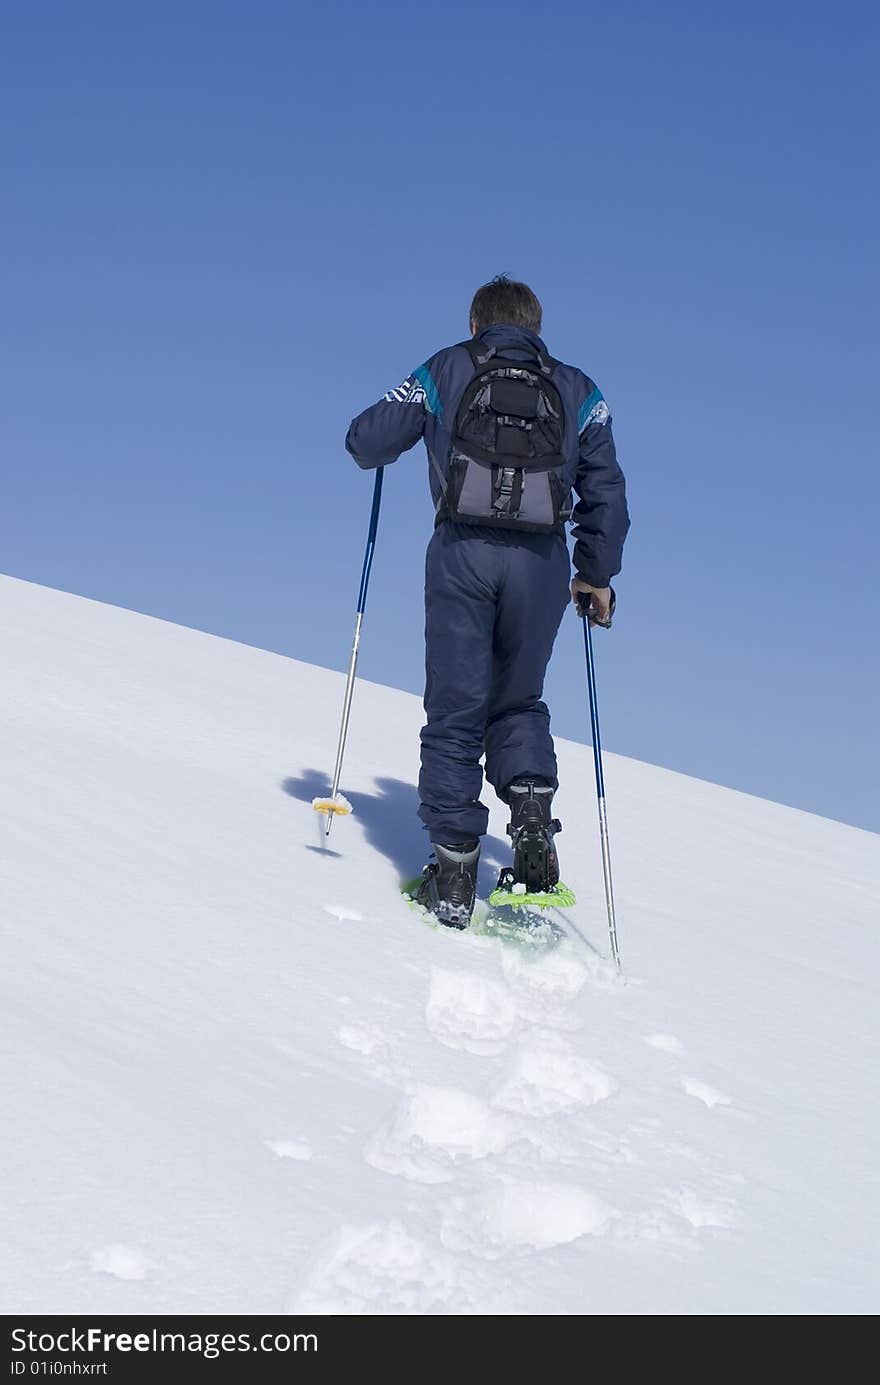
(449, 884)
(531, 831)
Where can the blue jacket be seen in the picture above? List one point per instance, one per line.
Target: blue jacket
(425, 406)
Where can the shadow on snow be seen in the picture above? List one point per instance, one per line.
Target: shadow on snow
(389, 821)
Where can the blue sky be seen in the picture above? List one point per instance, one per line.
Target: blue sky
(228, 227)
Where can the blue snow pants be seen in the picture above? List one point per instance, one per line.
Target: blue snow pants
(494, 600)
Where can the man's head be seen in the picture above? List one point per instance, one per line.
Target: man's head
(505, 300)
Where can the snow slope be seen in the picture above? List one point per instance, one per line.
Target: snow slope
(239, 1074)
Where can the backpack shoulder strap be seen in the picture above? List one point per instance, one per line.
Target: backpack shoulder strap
(549, 364)
(479, 354)
(482, 355)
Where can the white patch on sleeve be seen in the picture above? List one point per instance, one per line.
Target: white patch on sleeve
(599, 414)
(410, 392)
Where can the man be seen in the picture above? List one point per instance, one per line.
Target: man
(510, 432)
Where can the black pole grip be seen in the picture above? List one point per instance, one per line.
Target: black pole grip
(584, 608)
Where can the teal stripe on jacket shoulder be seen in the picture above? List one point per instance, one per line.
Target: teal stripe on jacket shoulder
(428, 384)
(593, 410)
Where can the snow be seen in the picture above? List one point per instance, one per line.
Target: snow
(119, 1261)
(240, 1074)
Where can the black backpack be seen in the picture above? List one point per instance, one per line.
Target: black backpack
(506, 462)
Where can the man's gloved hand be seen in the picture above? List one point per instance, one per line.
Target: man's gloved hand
(596, 602)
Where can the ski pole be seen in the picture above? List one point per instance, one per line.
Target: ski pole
(583, 610)
(334, 805)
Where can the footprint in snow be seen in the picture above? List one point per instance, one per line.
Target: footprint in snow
(470, 1012)
(123, 1262)
(544, 986)
(432, 1129)
(290, 1149)
(703, 1092)
(548, 1077)
(380, 1269)
(522, 1215)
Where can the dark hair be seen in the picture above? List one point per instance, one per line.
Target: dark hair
(505, 300)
